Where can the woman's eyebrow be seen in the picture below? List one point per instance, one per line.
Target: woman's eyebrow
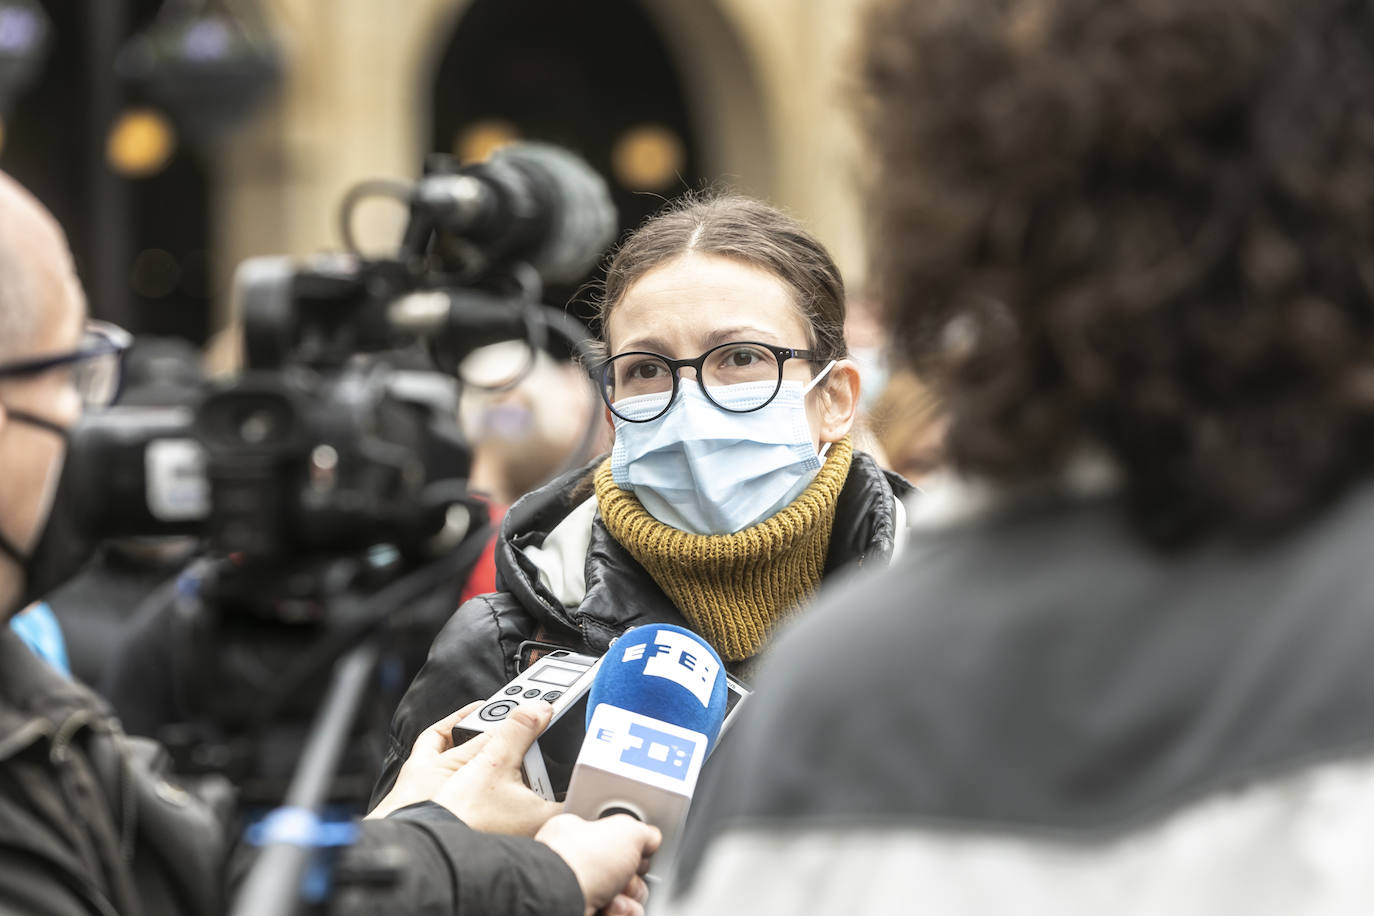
(714, 338)
(651, 344)
(725, 335)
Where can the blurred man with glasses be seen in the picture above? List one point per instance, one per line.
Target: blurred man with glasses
(53, 361)
(39, 398)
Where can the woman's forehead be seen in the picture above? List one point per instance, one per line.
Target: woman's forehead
(689, 299)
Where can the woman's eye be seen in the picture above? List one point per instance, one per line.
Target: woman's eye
(645, 371)
(741, 359)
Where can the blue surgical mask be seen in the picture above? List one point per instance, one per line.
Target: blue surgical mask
(705, 470)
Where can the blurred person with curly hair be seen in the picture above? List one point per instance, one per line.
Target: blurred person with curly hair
(1124, 666)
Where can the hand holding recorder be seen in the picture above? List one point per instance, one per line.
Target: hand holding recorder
(479, 781)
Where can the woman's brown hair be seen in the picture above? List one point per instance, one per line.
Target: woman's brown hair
(746, 230)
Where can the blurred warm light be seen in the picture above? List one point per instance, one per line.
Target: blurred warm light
(140, 143)
(647, 158)
(480, 139)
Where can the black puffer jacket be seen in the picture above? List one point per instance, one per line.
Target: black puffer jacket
(479, 649)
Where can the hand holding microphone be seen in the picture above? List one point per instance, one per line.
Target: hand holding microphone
(654, 711)
(608, 857)
(653, 714)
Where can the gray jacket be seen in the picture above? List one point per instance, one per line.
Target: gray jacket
(1044, 716)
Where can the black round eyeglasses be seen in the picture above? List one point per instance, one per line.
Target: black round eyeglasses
(740, 377)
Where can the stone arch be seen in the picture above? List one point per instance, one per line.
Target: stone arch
(730, 117)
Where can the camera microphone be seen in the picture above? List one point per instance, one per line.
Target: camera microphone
(653, 715)
(531, 202)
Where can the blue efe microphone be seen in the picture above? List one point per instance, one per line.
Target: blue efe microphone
(653, 714)
(664, 672)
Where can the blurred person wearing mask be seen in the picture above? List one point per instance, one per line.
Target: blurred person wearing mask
(867, 346)
(909, 425)
(865, 338)
(529, 421)
(1128, 670)
(732, 488)
(87, 820)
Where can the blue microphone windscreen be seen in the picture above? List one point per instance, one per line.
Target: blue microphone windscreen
(664, 672)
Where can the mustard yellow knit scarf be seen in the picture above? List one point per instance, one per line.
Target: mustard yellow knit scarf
(734, 588)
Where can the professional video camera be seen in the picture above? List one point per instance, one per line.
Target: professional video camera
(328, 479)
(340, 426)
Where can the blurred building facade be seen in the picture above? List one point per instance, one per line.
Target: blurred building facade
(762, 82)
(660, 95)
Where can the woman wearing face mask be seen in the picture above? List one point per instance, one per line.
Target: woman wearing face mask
(732, 488)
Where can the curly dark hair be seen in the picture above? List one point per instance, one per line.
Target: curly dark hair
(1143, 226)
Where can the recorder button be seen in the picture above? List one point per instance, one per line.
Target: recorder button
(552, 695)
(495, 712)
(532, 693)
(512, 690)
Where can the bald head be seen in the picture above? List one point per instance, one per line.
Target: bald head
(37, 278)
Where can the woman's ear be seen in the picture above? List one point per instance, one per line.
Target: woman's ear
(839, 400)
